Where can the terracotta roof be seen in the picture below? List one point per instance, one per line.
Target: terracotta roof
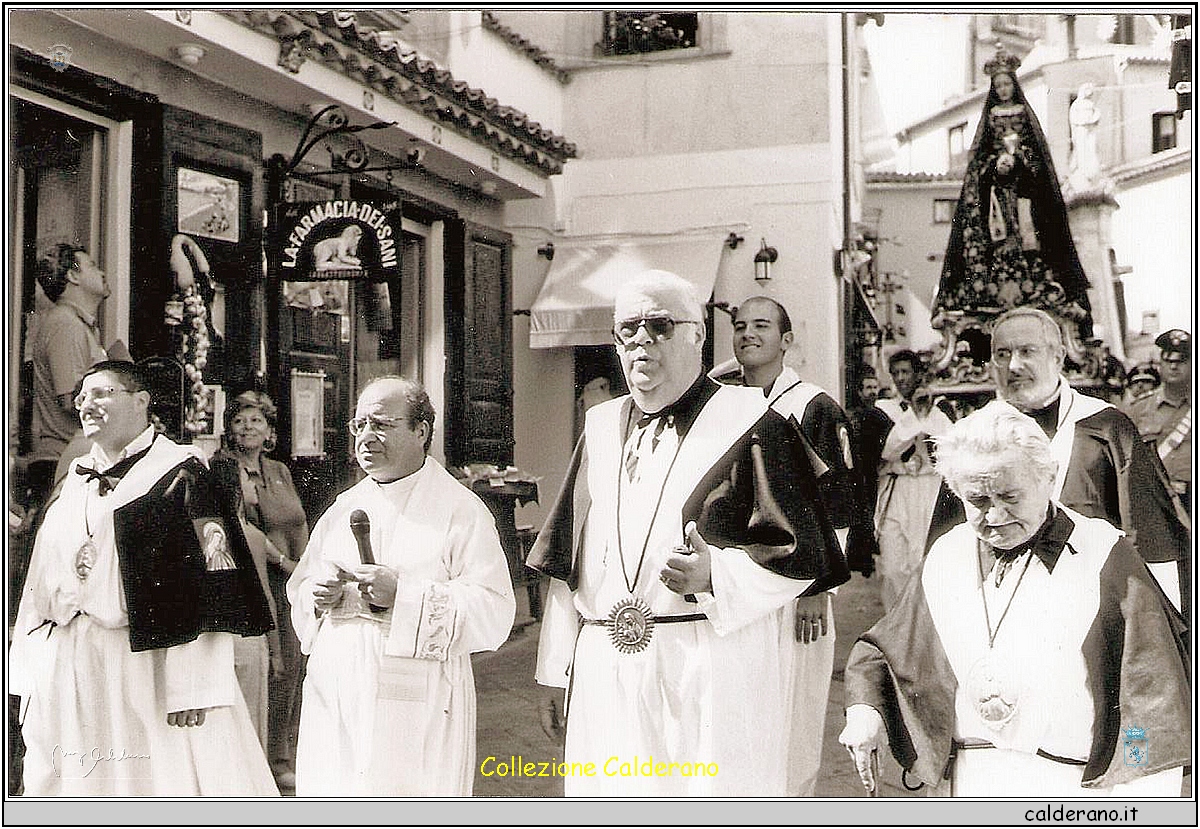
(882, 177)
(1132, 171)
(336, 39)
(536, 54)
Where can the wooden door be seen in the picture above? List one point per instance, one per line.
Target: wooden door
(479, 421)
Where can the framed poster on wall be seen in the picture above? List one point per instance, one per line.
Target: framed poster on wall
(209, 205)
(308, 414)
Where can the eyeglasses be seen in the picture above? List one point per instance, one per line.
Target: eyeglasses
(659, 329)
(1003, 356)
(377, 423)
(102, 393)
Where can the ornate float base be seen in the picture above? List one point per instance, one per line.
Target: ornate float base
(960, 372)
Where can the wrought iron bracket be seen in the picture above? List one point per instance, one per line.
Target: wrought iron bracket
(338, 124)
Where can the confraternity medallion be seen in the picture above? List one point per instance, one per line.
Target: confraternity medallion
(630, 625)
(85, 559)
(992, 691)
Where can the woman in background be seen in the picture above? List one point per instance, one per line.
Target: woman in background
(273, 506)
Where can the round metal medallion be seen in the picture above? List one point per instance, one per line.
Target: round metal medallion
(630, 625)
(85, 559)
(993, 691)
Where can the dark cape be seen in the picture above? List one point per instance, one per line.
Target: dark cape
(973, 270)
(1135, 652)
(848, 503)
(760, 496)
(1113, 475)
(170, 595)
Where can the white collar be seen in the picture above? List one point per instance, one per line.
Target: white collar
(404, 485)
(101, 461)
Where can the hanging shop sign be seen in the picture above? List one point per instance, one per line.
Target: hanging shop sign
(337, 239)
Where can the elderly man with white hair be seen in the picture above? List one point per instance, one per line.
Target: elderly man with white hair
(1105, 470)
(689, 522)
(1032, 655)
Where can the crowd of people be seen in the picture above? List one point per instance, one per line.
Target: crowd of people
(180, 631)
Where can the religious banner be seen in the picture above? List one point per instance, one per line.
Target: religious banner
(337, 239)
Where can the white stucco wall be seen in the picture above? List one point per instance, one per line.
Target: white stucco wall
(488, 62)
(738, 139)
(1153, 232)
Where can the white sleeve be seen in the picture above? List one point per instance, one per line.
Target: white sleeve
(899, 438)
(309, 570)
(556, 643)
(744, 591)
(472, 611)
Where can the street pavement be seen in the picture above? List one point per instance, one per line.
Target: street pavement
(508, 720)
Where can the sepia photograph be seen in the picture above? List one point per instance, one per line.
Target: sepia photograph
(681, 410)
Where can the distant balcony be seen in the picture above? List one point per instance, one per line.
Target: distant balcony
(636, 33)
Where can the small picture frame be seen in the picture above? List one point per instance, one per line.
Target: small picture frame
(209, 205)
(308, 414)
(215, 427)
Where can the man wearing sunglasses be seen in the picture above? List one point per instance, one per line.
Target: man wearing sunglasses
(123, 647)
(402, 580)
(689, 522)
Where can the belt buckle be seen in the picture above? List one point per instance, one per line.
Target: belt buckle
(630, 625)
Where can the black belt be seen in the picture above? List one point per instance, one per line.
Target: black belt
(658, 620)
(958, 745)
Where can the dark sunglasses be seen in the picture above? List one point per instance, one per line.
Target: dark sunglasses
(659, 329)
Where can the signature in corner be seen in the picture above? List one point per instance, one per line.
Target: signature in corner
(89, 759)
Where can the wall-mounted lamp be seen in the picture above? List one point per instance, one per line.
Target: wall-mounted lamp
(547, 250)
(733, 240)
(190, 53)
(763, 260)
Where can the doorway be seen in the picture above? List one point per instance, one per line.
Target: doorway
(58, 193)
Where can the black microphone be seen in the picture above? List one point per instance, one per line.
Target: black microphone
(360, 525)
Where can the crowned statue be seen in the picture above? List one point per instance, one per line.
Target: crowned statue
(1010, 243)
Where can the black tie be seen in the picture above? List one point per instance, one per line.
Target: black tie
(110, 477)
(1004, 561)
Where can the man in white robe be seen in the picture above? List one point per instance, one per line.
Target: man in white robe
(1105, 470)
(122, 651)
(389, 696)
(678, 658)
(1033, 655)
(762, 334)
(908, 484)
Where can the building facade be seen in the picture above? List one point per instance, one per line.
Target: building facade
(437, 158)
(1143, 150)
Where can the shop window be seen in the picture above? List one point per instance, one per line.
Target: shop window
(1164, 132)
(639, 32)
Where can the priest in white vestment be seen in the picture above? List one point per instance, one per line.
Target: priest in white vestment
(122, 651)
(389, 697)
(689, 522)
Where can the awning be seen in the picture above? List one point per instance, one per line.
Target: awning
(575, 304)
